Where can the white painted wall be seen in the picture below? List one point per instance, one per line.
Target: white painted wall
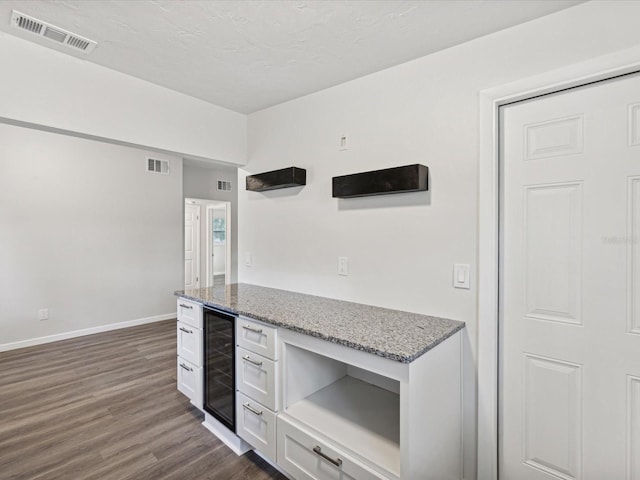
(425, 111)
(201, 182)
(44, 87)
(86, 233)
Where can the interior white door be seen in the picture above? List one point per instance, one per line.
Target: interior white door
(191, 246)
(570, 285)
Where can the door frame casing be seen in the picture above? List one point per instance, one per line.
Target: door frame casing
(227, 245)
(205, 236)
(601, 68)
(197, 243)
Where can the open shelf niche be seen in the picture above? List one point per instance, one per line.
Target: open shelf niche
(357, 408)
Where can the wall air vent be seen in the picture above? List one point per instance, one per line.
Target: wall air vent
(224, 185)
(157, 166)
(51, 32)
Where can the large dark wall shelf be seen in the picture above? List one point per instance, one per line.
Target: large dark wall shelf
(408, 178)
(284, 178)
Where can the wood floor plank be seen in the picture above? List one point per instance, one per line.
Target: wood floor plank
(106, 407)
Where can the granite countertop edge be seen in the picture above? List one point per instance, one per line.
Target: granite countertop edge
(459, 325)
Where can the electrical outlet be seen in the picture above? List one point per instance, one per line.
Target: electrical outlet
(43, 314)
(343, 265)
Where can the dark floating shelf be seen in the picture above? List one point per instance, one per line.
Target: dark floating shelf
(284, 178)
(408, 178)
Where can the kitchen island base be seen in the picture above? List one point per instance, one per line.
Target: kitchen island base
(349, 391)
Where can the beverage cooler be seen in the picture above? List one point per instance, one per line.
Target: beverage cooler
(219, 366)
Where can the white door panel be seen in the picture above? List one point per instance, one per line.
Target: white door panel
(558, 137)
(570, 285)
(553, 276)
(633, 433)
(553, 416)
(633, 243)
(634, 124)
(191, 246)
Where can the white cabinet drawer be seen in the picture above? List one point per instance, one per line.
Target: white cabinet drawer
(190, 312)
(256, 337)
(256, 425)
(190, 343)
(256, 376)
(190, 381)
(307, 458)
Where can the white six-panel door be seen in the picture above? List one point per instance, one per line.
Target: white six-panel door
(191, 246)
(570, 285)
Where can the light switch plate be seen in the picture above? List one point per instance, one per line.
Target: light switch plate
(343, 265)
(248, 259)
(461, 275)
(343, 143)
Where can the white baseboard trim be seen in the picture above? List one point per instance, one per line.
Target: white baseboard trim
(85, 331)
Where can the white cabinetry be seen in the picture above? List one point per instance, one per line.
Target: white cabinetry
(350, 414)
(256, 425)
(190, 381)
(323, 411)
(190, 343)
(306, 457)
(190, 351)
(256, 377)
(257, 337)
(257, 400)
(190, 312)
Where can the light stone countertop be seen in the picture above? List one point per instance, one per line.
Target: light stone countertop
(392, 334)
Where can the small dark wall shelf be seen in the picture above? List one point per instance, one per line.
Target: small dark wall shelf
(284, 178)
(408, 178)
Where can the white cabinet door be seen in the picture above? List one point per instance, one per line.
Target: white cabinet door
(189, 312)
(570, 285)
(190, 343)
(256, 425)
(256, 377)
(257, 337)
(308, 458)
(190, 381)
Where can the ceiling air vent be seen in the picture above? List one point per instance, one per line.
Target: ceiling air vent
(224, 185)
(157, 166)
(51, 32)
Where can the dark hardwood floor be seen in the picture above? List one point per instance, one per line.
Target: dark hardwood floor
(105, 407)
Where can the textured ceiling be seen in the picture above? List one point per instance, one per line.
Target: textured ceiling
(248, 55)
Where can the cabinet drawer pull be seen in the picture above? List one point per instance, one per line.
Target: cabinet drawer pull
(182, 329)
(186, 306)
(252, 329)
(251, 409)
(318, 451)
(247, 358)
(188, 369)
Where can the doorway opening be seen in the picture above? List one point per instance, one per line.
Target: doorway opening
(207, 243)
(217, 245)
